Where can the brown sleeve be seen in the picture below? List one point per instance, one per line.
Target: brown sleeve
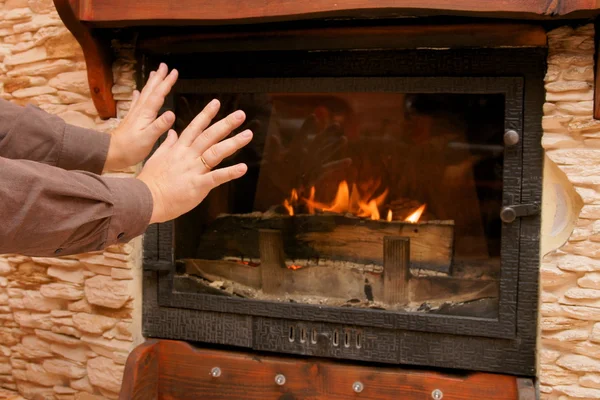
(47, 211)
(28, 133)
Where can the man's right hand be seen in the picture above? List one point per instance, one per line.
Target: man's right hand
(176, 174)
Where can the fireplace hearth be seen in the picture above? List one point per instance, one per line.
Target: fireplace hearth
(390, 212)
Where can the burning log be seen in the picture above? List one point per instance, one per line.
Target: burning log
(328, 236)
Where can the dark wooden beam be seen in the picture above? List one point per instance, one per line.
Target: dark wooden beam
(152, 12)
(97, 55)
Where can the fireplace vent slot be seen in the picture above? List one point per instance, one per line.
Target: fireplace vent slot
(292, 333)
(336, 338)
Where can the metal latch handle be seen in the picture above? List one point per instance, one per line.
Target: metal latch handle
(509, 213)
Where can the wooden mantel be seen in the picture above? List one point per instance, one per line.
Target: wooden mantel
(85, 18)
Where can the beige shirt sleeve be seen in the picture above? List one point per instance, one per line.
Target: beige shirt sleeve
(47, 209)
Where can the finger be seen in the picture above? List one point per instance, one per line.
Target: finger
(165, 86)
(199, 124)
(134, 98)
(160, 125)
(155, 78)
(156, 99)
(168, 143)
(215, 154)
(224, 175)
(218, 131)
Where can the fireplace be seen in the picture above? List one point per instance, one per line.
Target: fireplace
(390, 212)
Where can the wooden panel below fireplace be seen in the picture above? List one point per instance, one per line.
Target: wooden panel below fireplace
(162, 369)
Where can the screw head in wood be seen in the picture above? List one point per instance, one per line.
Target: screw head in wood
(215, 372)
(358, 387)
(511, 137)
(437, 394)
(280, 379)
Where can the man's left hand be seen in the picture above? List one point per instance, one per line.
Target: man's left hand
(134, 138)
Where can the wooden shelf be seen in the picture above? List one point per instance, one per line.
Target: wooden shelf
(86, 18)
(163, 369)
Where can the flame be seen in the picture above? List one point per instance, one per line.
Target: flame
(416, 215)
(288, 207)
(389, 216)
(294, 267)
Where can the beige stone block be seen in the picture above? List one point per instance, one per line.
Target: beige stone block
(590, 381)
(590, 280)
(582, 293)
(80, 306)
(584, 74)
(123, 248)
(570, 335)
(103, 372)
(33, 300)
(576, 263)
(20, 47)
(553, 73)
(67, 330)
(565, 60)
(551, 275)
(579, 157)
(5, 367)
(578, 392)
(121, 274)
(5, 267)
(22, 82)
(560, 141)
(108, 345)
(65, 368)
(62, 45)
(567, 86)
(26, 57)
(578, 363)
(17, 363)
(32, 320)
(78, 353)
(82, 385)
(554, 375)
(61, 313)
(86, 107)
(4, 298)
(59, 262)
(37, 22)
(71, 97)
(64, 390)
(33, 391)
(120, 357)
(551, 324)
(72, 82)
(87, 396)
(18, 38)
(45, 68)
(581, 312)
(64, 291)
(580, 234)
(78, 119)
(68, 321)
(104, 291)
(108, 394)
(18, 14)
(98, 269)
(5, 351)
(37, 374)
(57, 338)
(66, 275)
(32, 347)
(586, 348)
(41, 6)
(95, 324)
(99, 259)
(579, 95)
(556, 123)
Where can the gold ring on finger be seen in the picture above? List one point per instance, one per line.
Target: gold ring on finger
(205, 163)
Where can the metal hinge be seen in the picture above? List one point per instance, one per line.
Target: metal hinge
(509, 213)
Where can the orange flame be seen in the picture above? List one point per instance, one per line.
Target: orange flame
(416, 215)
(294, 267)
(389, 216)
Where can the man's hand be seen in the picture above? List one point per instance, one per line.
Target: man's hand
(133, 140)
(176, 174)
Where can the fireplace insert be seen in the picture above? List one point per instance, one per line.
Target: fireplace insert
(390, 212)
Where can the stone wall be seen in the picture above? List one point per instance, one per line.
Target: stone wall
(570, 276)
(66, 325)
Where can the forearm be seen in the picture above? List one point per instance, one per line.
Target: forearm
(48, 211)
(28, 133)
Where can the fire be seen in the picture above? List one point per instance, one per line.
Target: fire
(416, 215)
(294, 267)
(347, 200)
